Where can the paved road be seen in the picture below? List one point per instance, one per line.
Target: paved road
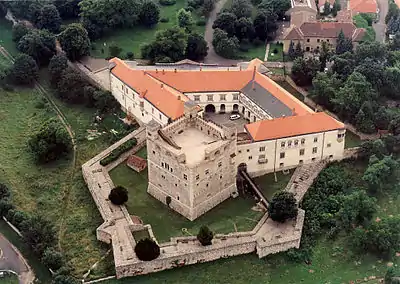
(212, 57)
(380, 26)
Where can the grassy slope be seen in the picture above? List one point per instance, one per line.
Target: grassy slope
(132, 39)
(166, 223)
(360, 22)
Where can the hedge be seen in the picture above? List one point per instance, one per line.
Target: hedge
(114, 155)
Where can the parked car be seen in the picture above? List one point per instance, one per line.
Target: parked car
(234, 116)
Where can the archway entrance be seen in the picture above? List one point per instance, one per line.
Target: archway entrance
(235, 108)
(222, 108)
(210, 108)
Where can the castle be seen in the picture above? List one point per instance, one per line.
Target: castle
(193, 161)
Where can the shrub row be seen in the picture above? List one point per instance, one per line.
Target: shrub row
(114, 155)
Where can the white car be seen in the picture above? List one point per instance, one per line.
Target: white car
(234, 116)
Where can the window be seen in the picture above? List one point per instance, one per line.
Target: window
(172, 170)
(328, 145)
(248, 150)
(162, 164)
(281, 165)
(240, 151)
(296, 142)
(196, 98)
(289, 143)
(160, 116)
(152, 110)
(220, 177)
(222, 97)
(235, 96)
(261, 157)
(197, 177)
(282, 144)
(330, 156)
(327, 40)
(126, 91)
(262, 149)
(154, 152)
(177, 197)
(301, 162)
(315, 139)
(282, 155)
(318, 40)
(184, 176)
(307, 48)
(302, 152)
(340, 135)
(207, 171)
(303, 141)
(210, 98)
(308, 40)
(313, 159)
(219, 164)
(314, 150)
(206, 184)
(176, 184)
(250, 157)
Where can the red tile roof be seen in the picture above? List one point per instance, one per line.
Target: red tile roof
(327, 29)
(363, 6)
(292, 126)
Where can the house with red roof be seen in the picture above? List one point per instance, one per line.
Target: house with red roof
(363, 6)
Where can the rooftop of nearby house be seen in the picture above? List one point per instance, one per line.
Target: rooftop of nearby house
(325, 30)
(363, 6)
(292, 126)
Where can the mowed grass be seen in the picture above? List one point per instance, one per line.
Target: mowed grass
(253, 52)
(275, 56)
(6, 36)
(131, 39)
(233, 214)
(9, 279)
(352, 140)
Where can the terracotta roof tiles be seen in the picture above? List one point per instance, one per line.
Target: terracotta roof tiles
(363, 6)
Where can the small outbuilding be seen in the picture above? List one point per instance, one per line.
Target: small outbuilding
(136, 163)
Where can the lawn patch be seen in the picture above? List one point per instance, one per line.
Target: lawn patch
(6, 36)
(360, 22)
(275, 53)
(352, 140)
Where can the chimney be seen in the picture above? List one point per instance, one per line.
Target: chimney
(175, 70)
(162, 86)
(163, 71)
(156, 70)
(201, 68)
(179, 98)
(240, 67)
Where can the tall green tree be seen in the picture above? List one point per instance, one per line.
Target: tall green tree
(18, 31)
(224, 45)
(184, 18)
(241, 8)
(149, 14)
(40, 44)
(49, 18)
(75, 41)
(304, 70)
(57, 65)
(226, 22)
(343, 44)
(196, 48)
(327, 8)
(282, 206)
(244, 29)
(24, 70)
(380, 173)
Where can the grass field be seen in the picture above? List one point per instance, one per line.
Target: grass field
(167, 223)
(253, 52)
(278, 56)
(6, 36)
(131, 39)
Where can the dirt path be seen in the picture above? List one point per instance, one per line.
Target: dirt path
(212, 57)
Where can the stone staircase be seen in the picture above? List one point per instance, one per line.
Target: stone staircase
(303, 177)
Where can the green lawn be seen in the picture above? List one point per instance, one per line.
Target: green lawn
(10, 279)
(352, 140)
(131, 39)
(166, 223)
(6, 36)
(253, 52)
(278, 56)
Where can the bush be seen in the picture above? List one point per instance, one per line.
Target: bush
(52, 259)
(118, 195)
(205, 236)
(147, 249)
(164, 20)
(4, 191)
(114, 50)
(202, 22)
(167, 2)
(18, 31)
(275, 51)
(24, 71)
(283, 206)
(51, 142)
(130, 55)
(114, 155)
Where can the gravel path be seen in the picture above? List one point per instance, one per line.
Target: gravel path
(380, 26)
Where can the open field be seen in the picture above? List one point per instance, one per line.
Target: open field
(131, 39)
(231, 214)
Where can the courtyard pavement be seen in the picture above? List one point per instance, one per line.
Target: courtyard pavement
(223, 119)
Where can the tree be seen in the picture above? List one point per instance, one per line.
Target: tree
(58, 63)
(357, 209)
(208, 6)
(298, 51)
(149, 13)
(50, 142)
(241, 8)
(104, 101)
(196, 48)
(147, 249)
(18, 31)
(71, 85)
(327, 8)
(277, 7)
(40, 44)
(265, 24)
(205, 236)
(380, 172)
(226, 22)
(24, 70)
(52, 259)
(184, 18)
(343, 44)
(75, 41)
(374, 72)
(170, 43)
(291, 52)
(304, 70)
(224, 45)
(4, 191)
(382, 118)
(343, 65)
(324, 55)
(244, 29)
(394, 126)
(118, 195)
(364, 118)
(49, 18)
(38, 233)
(68, 9)
(64, 279)
(114, 50)
(325, 87)
(392, 275)
(282, 206)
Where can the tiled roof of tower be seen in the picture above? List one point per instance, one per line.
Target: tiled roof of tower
(292, 126)
(165, 99)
